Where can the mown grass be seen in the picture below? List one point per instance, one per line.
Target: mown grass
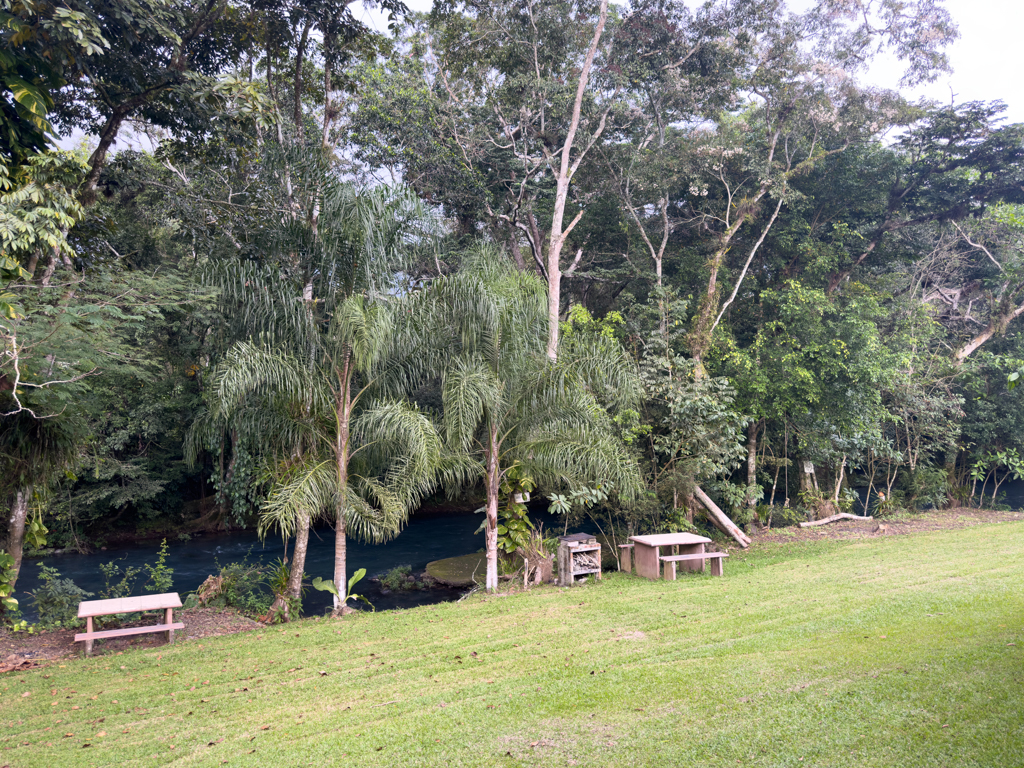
(899, 651)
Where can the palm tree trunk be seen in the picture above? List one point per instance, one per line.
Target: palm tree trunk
(16, 527)
(344, 409)
(491, 531)
(340, 565)
(294, 588)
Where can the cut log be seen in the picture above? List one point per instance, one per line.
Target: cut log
(833, 519)
(720, 519)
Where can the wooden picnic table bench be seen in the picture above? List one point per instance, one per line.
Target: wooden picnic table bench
(670, 561)
(90, 608)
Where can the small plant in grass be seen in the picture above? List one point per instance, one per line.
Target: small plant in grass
(325, 585)
(56, 601)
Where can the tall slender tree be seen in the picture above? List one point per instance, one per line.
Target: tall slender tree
(507, 405)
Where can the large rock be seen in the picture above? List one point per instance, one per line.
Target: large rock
(462, 571)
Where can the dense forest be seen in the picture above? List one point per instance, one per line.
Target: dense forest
(662, 265)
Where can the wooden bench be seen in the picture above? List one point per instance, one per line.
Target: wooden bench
(670, 561)
(90, 608)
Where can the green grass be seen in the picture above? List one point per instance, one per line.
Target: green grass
(890, 651)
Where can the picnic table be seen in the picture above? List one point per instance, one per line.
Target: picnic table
(687, 550)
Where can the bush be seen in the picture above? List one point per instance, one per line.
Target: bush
(57, 600)
(778, 516)
(247, 586)
(118, 583)
(8, 604)
(400, 578)
(161, 576)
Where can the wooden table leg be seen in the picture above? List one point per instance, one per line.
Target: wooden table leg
(169, 619)
(646, 560)
(692, 565)
(625, 559)
(88, 628)
(670, 570)
(716, 566)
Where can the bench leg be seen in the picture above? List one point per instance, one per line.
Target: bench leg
(169, 619)
(626, 560)
(716, 566)
(88, 628)
(670, 570)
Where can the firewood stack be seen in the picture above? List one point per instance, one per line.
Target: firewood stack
(579, 555)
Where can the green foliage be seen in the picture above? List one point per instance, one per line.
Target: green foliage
(8, 603)
(514, 527)
(399, 579)
(161, 575)
(118, 582)
(247, 586)
(325, 585)
(56, 601)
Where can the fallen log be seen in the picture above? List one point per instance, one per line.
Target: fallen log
(720, 519)
(834, 518)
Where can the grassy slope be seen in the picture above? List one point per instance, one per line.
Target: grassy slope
(833, 653)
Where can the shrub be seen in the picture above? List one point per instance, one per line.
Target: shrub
(161, 576)
(114, 588)
(400, 578)
(57, 599)
(8, 604)
(247, 586)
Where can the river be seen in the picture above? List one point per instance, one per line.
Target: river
(424, 539)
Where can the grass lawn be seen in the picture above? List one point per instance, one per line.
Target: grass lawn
(890, 651)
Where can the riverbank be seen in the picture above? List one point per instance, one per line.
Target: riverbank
(877, 651)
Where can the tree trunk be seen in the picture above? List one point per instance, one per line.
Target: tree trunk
(752, 462)
(98, 159)
(491, 530)
(344, 410)
(294, 588)
(16, 528)
(562, 179)
(720, 519)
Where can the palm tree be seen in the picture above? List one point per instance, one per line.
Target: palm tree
(310, 338)
(368, 456)
(507, 406)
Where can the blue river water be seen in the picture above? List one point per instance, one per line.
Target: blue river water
(423, 540)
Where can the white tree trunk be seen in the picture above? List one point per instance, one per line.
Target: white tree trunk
(491, 530)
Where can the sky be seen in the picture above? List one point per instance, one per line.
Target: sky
(986, 59)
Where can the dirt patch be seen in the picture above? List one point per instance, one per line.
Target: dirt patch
(933, 520)
(20, 650)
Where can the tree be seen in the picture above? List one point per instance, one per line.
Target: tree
(366, 461)
(509, 407)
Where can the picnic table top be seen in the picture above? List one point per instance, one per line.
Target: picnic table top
(128, 604)
(670, 539)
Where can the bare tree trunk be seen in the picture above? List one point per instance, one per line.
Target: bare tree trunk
(752, 462)
(16, 527)
(491, 530)
(720, 519)
(562, 179)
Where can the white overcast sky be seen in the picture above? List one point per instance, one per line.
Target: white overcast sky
(987, 59)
